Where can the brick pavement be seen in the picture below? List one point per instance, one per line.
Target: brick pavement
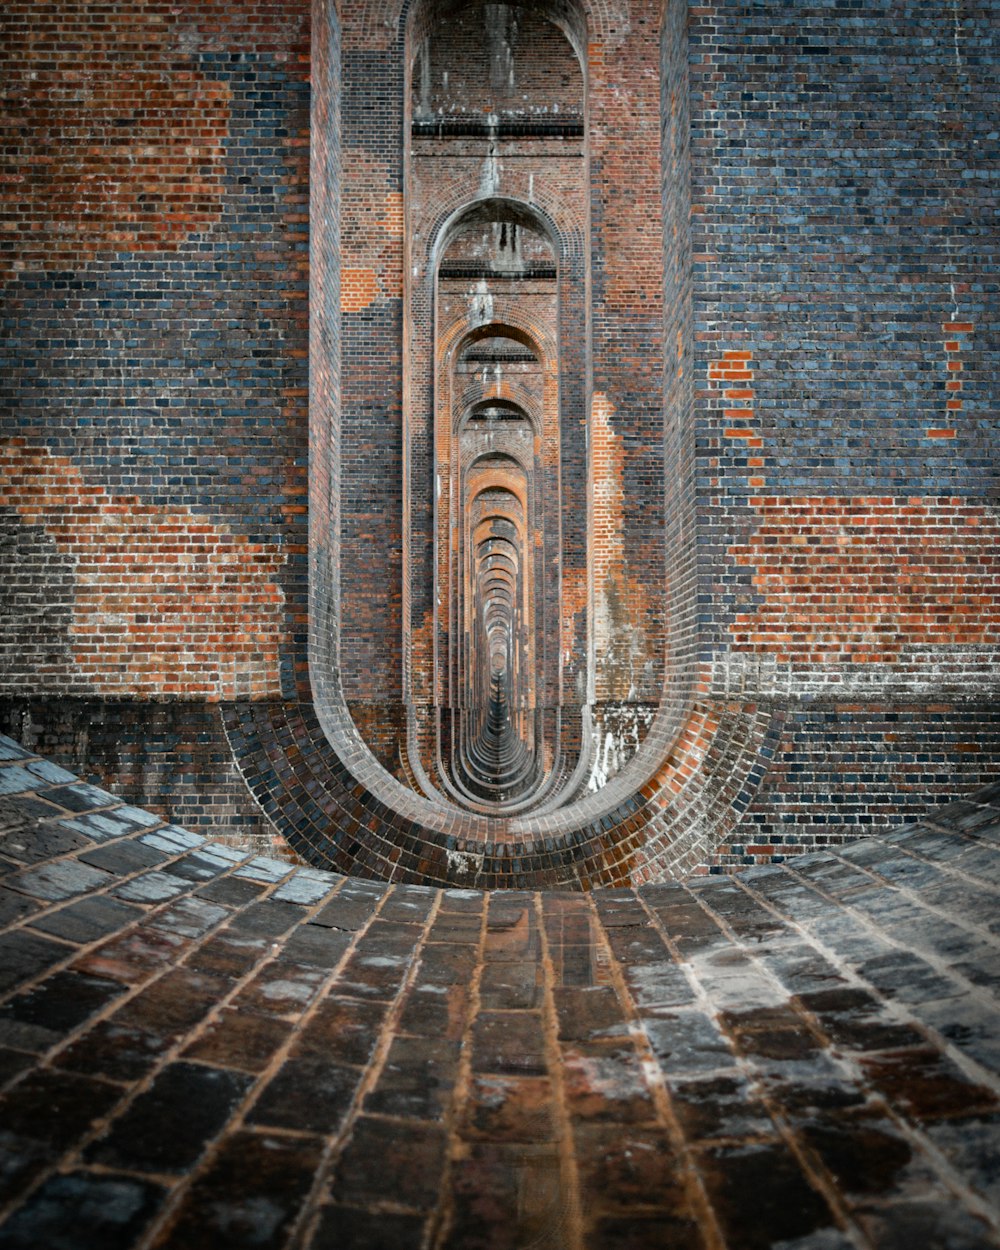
(203, 1047)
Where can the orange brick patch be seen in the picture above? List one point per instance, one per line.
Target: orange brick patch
(88, 183)
(165, 602)
(858, 580)
(957, 334)
(358, 289)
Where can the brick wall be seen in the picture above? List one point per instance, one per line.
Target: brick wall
(153, 373)
(840, 299)
(843, 770)
(173, 757)
(803, 539)
(524, 68)
(849, 548)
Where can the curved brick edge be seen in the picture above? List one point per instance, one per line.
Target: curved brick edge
(332, 799)
(666, 829)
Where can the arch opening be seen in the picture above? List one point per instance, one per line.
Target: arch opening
(530, 375)
(497, 303)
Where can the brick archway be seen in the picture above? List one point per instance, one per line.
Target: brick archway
(374, 815)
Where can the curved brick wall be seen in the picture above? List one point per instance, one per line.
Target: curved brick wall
(207, 1047)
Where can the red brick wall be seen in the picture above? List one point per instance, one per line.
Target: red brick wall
(858, 581)
(164, 602)
(801, 536)
(153, 392)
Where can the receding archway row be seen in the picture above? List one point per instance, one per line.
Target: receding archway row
(495, 330)
(496, 426)
(310, 767)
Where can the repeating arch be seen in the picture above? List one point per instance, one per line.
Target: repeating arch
(693, 769)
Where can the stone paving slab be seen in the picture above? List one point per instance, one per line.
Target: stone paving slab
(203, 1048)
